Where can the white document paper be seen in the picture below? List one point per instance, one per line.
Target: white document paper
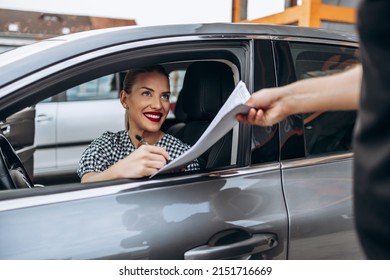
(223, 122)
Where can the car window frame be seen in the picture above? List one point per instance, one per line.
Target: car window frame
(236, 50)
(296, 122)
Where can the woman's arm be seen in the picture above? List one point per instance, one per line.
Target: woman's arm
(144, 161)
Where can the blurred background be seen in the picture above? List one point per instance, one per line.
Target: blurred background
(26, 21)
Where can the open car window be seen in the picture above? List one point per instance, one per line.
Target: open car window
(74, 115)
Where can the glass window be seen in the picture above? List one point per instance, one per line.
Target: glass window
(343, 3)
(325, 132)
(102, 88)
(176, 79)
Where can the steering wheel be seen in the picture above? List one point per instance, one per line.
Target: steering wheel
(13, 175)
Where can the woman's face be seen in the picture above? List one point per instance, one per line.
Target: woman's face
(148, 102)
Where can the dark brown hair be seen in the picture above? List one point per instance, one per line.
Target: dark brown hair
(132, 75)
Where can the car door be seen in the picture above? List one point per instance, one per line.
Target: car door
(316, 158)
(45, 136)
(230, 212)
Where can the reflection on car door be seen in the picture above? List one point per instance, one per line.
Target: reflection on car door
(241, 216)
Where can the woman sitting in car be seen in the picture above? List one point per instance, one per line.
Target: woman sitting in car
(142, 149)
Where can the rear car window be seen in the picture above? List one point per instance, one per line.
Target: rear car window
(325, 132)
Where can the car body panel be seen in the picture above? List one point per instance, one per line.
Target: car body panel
(319, 202)
(132, 224)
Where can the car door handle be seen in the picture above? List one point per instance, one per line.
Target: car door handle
(6, 129)
(43, 118)
(255, 244)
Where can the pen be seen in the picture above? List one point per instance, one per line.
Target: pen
(141, 140)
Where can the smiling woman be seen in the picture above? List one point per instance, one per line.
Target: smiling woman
(149, 84)
(145, 97)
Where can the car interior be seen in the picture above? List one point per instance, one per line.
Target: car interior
(326, 132)
(204, 82)
(205, 87)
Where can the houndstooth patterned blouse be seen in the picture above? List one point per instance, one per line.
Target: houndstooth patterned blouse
(111, 147)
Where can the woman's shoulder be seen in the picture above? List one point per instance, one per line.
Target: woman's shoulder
(109, 137)
(170, 141)
(175, 147)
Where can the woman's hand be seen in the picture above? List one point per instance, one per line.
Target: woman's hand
(144, 161)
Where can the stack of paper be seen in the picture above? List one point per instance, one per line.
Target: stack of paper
(223, 122)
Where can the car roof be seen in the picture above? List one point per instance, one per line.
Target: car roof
(21, 61)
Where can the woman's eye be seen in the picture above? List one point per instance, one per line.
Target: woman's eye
(165, 96)
(146, 93)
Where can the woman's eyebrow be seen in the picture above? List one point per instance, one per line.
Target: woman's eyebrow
(150, 89)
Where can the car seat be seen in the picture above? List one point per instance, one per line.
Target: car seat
(174, 125)
(206, 87)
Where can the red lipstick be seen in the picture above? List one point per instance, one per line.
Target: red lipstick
(153, 116)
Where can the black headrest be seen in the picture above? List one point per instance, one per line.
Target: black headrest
(206, 87)
(180, 115)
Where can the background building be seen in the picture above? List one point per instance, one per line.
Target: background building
(19, 27)
(22, 27)
(331, 14)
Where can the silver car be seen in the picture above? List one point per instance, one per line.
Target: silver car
(281, 192)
